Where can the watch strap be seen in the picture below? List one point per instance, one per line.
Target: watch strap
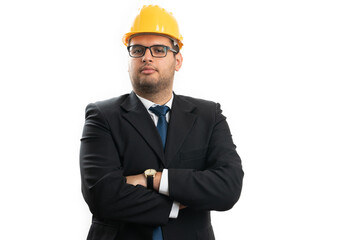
(150, 182)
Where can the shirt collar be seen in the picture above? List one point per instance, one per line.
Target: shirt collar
(148, 103)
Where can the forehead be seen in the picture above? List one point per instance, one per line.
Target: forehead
(148, 40)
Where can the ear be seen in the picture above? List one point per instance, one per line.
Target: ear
(179, 60)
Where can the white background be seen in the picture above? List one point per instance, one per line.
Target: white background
(287, 76)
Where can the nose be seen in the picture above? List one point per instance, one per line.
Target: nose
(147, 56)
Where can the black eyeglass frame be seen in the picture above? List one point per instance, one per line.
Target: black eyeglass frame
(167, 48)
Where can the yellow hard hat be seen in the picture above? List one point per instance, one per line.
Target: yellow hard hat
(156, 20)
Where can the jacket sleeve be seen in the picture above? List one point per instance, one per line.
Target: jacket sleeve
(218, 187)
(104, 186)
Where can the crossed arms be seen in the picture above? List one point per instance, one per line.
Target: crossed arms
(114, 195)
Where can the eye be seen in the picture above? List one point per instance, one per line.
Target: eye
(137, 50)
(158, 49)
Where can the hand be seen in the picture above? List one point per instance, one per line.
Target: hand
(182, 206)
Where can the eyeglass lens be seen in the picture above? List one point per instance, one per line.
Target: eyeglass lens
(156, 51)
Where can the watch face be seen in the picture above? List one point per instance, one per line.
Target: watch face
(150, 172)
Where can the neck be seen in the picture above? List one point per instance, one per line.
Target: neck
(159, 98)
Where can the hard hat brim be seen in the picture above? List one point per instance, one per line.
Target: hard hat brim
(127, 37)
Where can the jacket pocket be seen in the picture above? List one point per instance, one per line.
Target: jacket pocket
(194, 159)
(193, 154)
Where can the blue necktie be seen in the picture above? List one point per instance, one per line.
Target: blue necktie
(161, 111)
(161, 126)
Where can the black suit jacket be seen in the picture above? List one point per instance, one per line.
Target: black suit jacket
(120, 139)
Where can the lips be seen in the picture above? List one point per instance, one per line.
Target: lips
(147, 70)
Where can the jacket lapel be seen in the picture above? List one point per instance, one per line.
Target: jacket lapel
(182, 119)
(139, 118)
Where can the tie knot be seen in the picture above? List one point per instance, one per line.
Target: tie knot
(160, 110)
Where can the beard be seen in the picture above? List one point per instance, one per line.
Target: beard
(151, 84)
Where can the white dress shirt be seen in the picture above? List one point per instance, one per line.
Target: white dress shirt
(164, 181)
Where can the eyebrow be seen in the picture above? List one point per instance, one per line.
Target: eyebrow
(169, 42)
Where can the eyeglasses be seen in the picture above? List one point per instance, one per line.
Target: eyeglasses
(158, 51)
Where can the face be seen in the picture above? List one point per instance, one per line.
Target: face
(150, 75)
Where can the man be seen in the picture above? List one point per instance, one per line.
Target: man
(153, 163)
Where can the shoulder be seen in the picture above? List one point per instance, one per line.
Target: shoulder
(108, 106)
(198, 102)
(111, 103)
(201, 107)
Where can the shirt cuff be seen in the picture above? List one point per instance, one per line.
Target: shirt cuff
(164, 183)
(174, 210)
(164, 189)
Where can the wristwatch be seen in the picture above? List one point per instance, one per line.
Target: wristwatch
(150, 175)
